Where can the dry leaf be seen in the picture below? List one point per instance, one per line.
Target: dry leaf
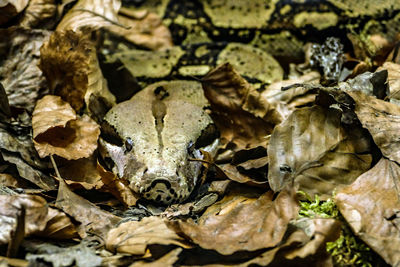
(167, 260)
(371, 207)
(56, 131)
(312, 148)
(227, 93)
(118, 187)
(19, 72)
(92, 14)
(39, 218)
(133, 237)
(38, 12)
(69, 63)
(382, 120)
(91, 217)
(8, 180)
(11, 8)
(145, 29)
(393, 79)
(238, 223)
(81, 173)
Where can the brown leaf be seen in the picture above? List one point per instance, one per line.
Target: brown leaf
(39, 218)
(38, 12)
(19, 72)
(382, 120)
(56, 131)
(133, 237)
(393, 79)
(81, 173)
(11, 8)
(91, 217)
(145, 29)
(312, 148)
(92, 14)
(118, 187)
(238, 223)
(371, 207)
(227, 92)
(77, 78)
(167, 260)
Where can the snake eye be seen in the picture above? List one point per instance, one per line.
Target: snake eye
(128, 144)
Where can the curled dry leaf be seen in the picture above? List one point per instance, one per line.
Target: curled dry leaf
(228, 94)
(306, 242)
(116, 186)
(393, 79)
(287, 95)
(38, 12)
(39, 218)
(238, 223)
(312, 148)
(133, 237)
(56, 131)
(92, 14)
(81, 173)
(371, 207)
(382, 120)
(11, 8)
(19, 72)
(69, 63)
(145, 29)
(167, 260)
(91, 217)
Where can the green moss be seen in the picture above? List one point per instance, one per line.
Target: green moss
(347, 250)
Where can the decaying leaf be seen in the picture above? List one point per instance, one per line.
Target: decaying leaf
(11, 8)
(116, 186)
(167, 260)
(91, 217)
(92, 14)
(239, 223)
(19, 73)
(371, 207)
(39, 218)
(69, 63)
(133, 237)
(228, 93)
(145, 29)
(57, 131)
(315, 151)
(382, 120)
(38, 12)
(81, 173)
(393, 79)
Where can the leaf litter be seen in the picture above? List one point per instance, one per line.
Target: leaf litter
(320, 131)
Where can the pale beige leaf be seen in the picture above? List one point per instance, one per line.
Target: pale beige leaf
(38, 12)
(57, 131)
(167, 260)
(312, 148)
(92, 14)
(393, 79)
(371, 207)
(145, 29)
(239, 223)
(133, 237)
(51, 111)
